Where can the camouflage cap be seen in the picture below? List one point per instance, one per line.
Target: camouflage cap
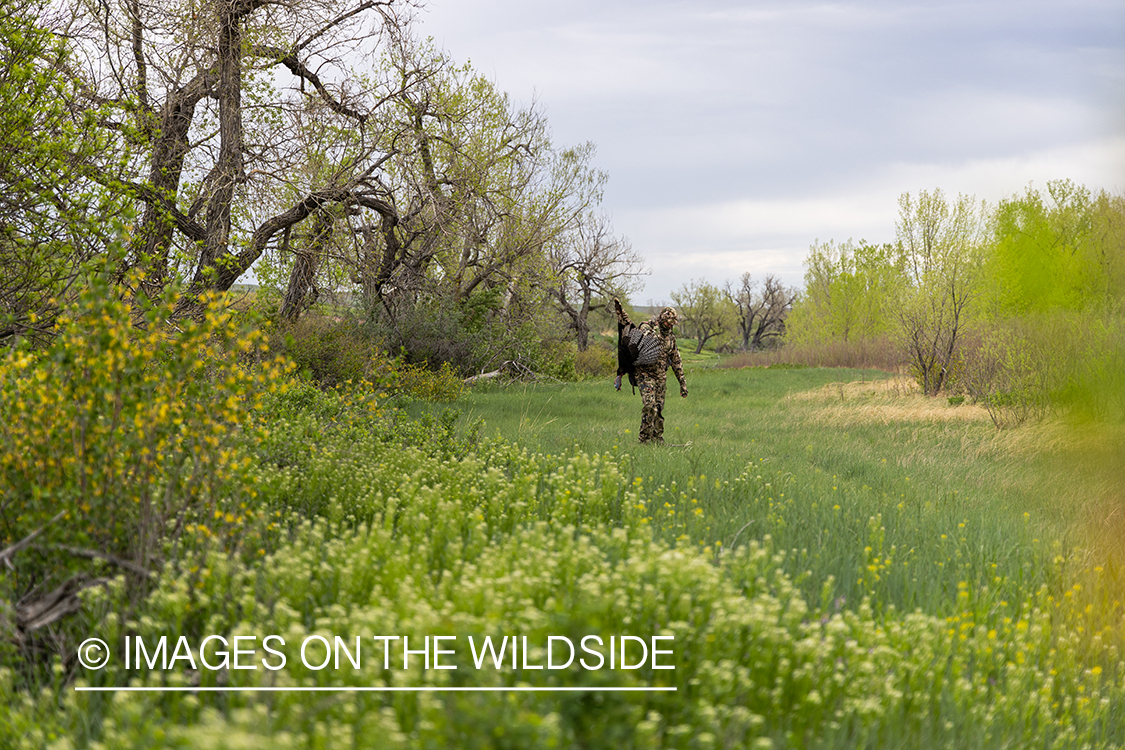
(668, 317)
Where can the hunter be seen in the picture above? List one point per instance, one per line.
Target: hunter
(652, 378)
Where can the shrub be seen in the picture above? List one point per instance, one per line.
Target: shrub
(1021, 369)
(554, 358)
(116, 440)
(869, 353)
(597, 361)
(330, 351)
(416, 381)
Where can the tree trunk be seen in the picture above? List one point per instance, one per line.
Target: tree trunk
(228, 169)
(300, 294)
(152, 242)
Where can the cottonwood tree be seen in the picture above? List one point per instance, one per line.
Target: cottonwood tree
(760, 314)
(940, 247)
(591, 265)
(705, 312)
(214, 105)
(1061, 250)
(478, 193)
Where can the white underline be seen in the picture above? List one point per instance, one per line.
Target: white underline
(347, 689)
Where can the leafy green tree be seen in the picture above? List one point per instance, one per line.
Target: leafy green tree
(1050, 335)
(237, 122)
(477, 185)
(1058, 251)
(851, 292)
(480, 199)
(940, 248)
(49, 211)
(706, 312)
(1107, 235)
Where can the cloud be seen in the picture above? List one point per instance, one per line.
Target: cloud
(721, 240)
(735, 133)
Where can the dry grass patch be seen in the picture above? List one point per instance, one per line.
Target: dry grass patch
(883, 401)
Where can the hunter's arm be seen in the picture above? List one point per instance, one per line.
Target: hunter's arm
(678, 367)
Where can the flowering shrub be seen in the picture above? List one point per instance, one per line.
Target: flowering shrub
(416, 381)
(122, 435)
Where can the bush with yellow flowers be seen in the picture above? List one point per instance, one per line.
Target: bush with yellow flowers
(119, 437)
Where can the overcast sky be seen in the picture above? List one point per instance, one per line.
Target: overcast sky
(735, 134)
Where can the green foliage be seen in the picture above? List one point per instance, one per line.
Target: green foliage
(706, 313)
(1005, 303)
(442, 385)
(1049, 254)
(330, 351)
(1049, 334)
(850, 294)
(384, 526)
(51, 217)
(118, 443)
(335, 352)
(471, 335)
(940, 243)
(1014, 368)
(1024, 368)
(504, 541)
(555, 358)
(124, 428)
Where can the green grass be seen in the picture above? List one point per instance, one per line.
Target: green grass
(872, 491)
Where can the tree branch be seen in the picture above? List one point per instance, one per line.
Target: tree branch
(299, 69)
(8, 552)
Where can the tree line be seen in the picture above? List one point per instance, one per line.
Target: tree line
(328, 151)
(1016, 304)
(323, 144)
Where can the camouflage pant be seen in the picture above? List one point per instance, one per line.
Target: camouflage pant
(652, 406)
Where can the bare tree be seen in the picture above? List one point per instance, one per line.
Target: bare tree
(760, 314)
(591, 265)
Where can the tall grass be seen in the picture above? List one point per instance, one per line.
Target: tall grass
(866, 483)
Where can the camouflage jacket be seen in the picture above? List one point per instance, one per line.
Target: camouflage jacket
(671, 356)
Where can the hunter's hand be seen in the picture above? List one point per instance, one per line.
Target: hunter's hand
(617, 304)
(683, 392)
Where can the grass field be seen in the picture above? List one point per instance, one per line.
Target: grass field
(841, 468)
(839, 562)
